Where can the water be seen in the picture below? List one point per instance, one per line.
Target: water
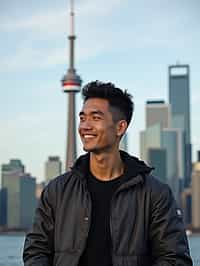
(194, 243)
(11, 250)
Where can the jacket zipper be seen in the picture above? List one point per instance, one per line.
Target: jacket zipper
(122, 187)
(87, 217)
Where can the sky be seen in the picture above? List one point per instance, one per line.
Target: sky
(130, 43)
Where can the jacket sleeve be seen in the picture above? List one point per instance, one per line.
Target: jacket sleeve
(38, 246)
(167, 234)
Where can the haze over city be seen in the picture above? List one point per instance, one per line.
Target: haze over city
(128, 43)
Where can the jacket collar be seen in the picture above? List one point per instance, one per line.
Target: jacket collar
(134, 167)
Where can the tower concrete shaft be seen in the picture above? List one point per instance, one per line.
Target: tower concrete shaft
(71, 131)
(71, 83)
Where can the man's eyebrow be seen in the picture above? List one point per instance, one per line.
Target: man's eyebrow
(81, 113)
(96, 112)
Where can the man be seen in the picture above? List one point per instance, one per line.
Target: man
(107, 210)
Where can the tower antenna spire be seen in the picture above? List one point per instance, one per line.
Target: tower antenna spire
(72, 15)
(71, 84)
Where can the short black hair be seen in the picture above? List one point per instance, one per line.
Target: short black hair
(120, 102)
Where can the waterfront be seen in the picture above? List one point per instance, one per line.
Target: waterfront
(11, 247)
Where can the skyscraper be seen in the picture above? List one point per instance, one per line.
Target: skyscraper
(179, 98)
(172, 140)
(19, 190)
(3, 207)
(71, 83)
(158, 111)
(163, 146)
(53, 167)
(27, 200)
(150, 138)
(15, 166)
(9, 180)
(158, 158)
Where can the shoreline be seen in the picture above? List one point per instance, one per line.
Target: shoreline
(13, 233)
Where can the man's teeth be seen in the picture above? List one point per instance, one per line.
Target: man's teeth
(88, 136)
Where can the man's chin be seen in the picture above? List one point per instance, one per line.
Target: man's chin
(89, 149)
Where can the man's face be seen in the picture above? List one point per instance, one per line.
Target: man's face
(97, 130)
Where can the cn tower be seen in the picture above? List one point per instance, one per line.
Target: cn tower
(71, 84)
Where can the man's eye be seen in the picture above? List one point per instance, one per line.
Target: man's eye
(82, 118)
(96, 118)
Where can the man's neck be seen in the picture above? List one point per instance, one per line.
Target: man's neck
(106, 166)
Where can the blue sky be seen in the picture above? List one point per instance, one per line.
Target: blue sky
(130, 43)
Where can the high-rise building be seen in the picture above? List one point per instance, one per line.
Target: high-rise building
(19, 195)
(9, 179)
(150, 138)
(179, 99)
(71, 83)
(53, 167)
(21, 199)
(3, 207)
(172, 141)
(160, 138)
(155, 141)
(196, 195)
(158, 111)
(158, 158)
(14, 165)
(12, 186)
(27, 200)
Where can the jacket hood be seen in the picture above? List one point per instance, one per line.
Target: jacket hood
(133, 166)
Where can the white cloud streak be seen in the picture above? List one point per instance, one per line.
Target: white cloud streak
(96, 30)
(52, 25)
(53, 21)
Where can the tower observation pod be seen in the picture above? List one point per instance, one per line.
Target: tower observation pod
(71, 83)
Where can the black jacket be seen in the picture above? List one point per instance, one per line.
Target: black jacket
(146, 228)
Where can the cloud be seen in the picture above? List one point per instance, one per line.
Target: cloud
(100, 29)
(50, 21)
(53, 20)
(39, 45)
(30, 58)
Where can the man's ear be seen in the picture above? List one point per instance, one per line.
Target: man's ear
(121, 127)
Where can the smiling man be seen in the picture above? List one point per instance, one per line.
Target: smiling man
(108, 210)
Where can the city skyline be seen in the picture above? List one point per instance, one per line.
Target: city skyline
(130, 44)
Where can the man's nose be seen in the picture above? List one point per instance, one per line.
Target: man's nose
(87, 124)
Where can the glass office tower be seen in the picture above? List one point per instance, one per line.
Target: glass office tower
(27, 199)
(149, 138)
(158, 159)
(171, 142)
(179, 98)
(3, 207)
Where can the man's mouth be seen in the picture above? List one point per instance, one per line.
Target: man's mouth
(88, 136)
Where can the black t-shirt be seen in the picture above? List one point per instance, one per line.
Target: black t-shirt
(98, 247)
